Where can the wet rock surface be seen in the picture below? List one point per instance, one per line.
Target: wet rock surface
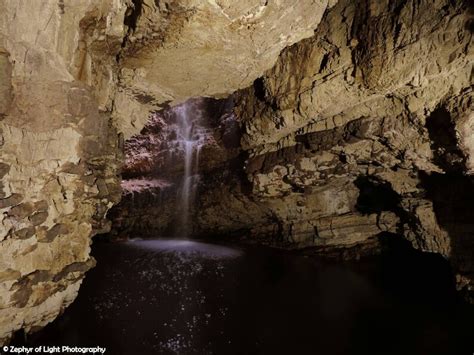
(155, 165)
(176, 296)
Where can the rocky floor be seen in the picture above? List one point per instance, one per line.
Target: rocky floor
(177, 296)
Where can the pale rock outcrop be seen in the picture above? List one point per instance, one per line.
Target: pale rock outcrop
(59, 155)
(182, 49)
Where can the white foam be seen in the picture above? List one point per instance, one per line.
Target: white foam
(188, 247)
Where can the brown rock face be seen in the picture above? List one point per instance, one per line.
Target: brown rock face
(155, 164)
(362, 129)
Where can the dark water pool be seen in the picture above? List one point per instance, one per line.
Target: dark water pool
(189, 297)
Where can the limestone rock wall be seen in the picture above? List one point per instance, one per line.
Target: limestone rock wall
(58, 156)
(362, 129)
(152, 175)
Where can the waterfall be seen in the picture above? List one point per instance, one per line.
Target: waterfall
(190, 137)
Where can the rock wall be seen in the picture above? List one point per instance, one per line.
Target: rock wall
(360, 130)
(76, 78)
(59, 159)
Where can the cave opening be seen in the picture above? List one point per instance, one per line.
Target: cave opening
(442, 133)
(375, 196)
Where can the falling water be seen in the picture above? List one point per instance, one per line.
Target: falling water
(190, 137)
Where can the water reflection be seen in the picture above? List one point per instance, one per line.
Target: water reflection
(187, 247)
(176, 296)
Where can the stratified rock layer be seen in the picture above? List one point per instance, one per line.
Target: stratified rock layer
(362, 129)
(58, 158)
(153, 173)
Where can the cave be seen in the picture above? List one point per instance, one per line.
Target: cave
(236, 177)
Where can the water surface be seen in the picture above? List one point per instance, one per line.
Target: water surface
(176, 296)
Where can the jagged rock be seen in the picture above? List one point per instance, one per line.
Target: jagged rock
(377, 103)
(48, 120)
